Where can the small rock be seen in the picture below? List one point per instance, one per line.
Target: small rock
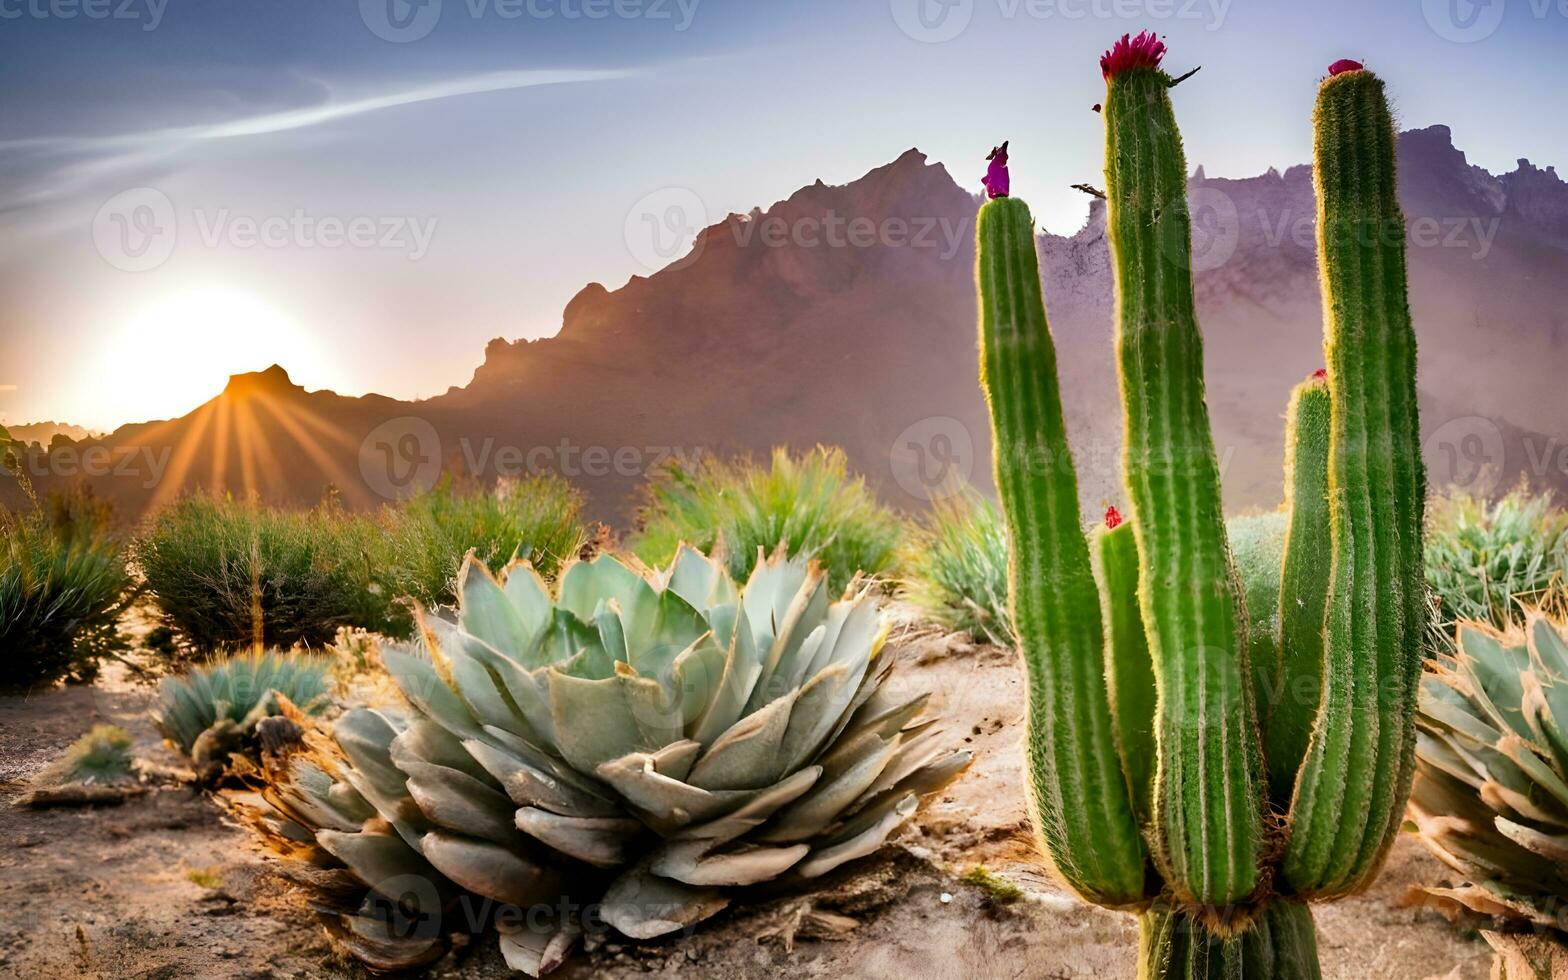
(946, 897)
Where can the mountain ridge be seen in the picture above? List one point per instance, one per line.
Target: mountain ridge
(754, 339)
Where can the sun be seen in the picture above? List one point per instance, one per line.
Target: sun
(166, 360)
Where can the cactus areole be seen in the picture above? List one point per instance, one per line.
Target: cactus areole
(1162, 779)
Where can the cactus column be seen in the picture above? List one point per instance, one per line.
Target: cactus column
(1078, 795)
(1208, 796)
(1356, 774)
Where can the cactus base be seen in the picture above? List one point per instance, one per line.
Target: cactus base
(1280, 944)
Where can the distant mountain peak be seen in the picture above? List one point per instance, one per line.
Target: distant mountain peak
(274, 380)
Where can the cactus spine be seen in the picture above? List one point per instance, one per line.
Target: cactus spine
(1079, 796)
(1357, 769)
(1169, 628)
(1208, 794)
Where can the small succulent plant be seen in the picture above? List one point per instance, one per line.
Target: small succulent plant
(212, 711)
(1491, 792)
(641, 741)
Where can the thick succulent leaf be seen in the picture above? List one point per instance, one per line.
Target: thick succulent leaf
(492, 870)
(742, 668)
(425, 741)
(699, 580)
(643, 905)
(385, 946)
(379, 860)
(488, 612)
(612, 639)
(596, 721)
(1546, 787)
(855, 768)
(818, 712)
(458, 801)
(547, 763)
(696, 677)
(790, 630)
(652, 644)
(416, 677)
(865, 837)
(1492, 669)
(767, 598)
(529, 785)
(365, 736)
(585, 585)
(599, 841)
(529, 596)
(747, 756)
(663, 799)
(536, 947)
(754, 812)
(1553, 847)
(529, 691)
(693, 863)
(475, 683)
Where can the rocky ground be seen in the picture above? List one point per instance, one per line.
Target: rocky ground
(162, 887)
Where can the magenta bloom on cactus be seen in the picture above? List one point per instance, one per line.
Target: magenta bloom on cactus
(1113, 518)
(996, 181)
(1343, 65)
(1143, 51)
(1320, 373)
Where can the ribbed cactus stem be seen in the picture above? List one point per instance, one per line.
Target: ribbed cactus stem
(1280, 944)
(1078, 793)
(1113, 554)
(1357, 769)
(1303, 586)
(1208, 787)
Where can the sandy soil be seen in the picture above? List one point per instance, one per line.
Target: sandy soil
(160, 887)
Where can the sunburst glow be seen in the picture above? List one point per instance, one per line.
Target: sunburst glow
(164, 361)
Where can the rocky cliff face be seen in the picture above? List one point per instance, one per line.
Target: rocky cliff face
(845, 315)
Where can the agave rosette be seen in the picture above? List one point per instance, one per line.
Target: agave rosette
(1491, 795)
(643, 740)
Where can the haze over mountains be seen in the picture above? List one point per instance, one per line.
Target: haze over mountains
(845, 315)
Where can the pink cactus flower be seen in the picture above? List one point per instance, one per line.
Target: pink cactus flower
(1113, 518)
(996, 181)
(1143, 51)
(1343, 65)
(1321, 374)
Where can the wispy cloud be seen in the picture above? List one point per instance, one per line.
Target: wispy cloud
(51, 168)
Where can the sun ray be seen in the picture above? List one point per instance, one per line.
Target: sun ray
(331, 468)
(180, 464)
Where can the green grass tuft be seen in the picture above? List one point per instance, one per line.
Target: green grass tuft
(808, 502)
(63, 584)
(954, 563)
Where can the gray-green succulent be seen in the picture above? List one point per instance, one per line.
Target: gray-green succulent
(637, 741)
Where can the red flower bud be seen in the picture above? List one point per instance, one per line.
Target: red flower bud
(1143, 51)
(1113, 518)
(1343, 65)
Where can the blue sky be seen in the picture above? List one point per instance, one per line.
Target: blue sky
(369, 190)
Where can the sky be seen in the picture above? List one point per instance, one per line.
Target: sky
(367, 191)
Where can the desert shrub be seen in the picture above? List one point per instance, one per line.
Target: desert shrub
(62, 588)
(428, 536)
(226, 573)
(1482, 559)
(954, 567)
(231, 695)
(808, 503)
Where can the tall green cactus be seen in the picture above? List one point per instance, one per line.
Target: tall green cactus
(1221, 840)
(1077, 789)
